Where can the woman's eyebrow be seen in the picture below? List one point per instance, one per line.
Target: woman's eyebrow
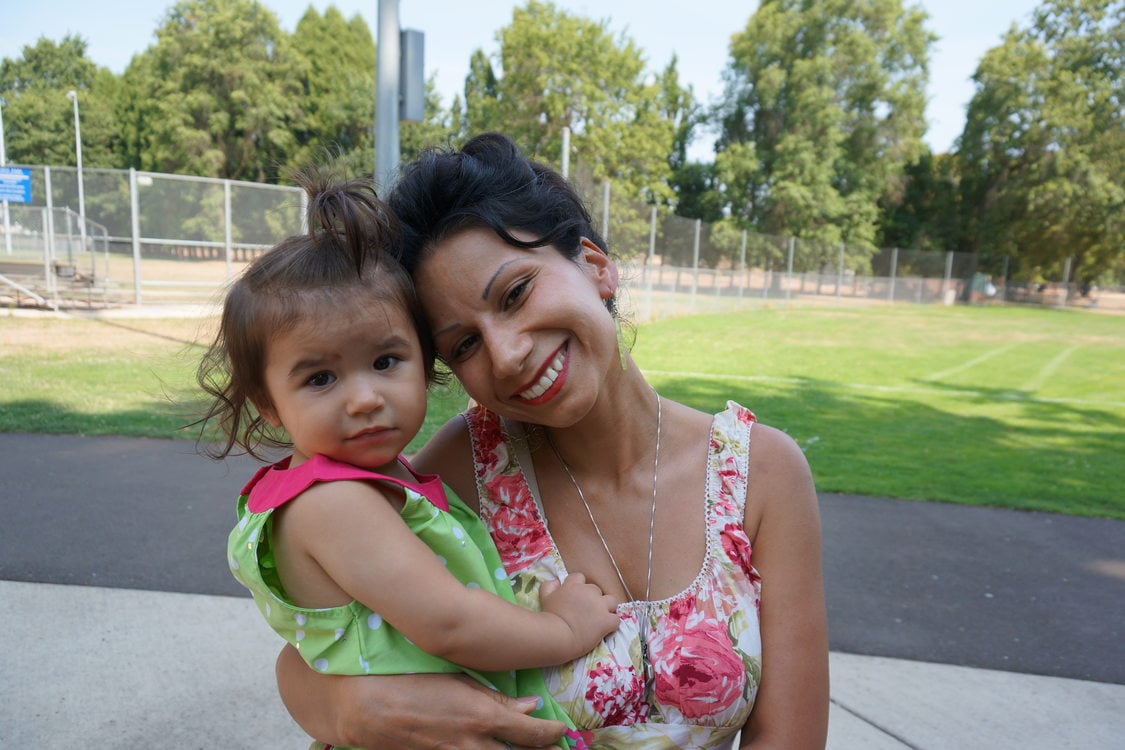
(499, 270)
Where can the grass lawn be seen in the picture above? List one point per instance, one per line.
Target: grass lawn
(1014, 407)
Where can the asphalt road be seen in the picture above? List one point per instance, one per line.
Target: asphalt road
(1034, 593)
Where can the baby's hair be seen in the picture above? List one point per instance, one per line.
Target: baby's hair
(344, 265)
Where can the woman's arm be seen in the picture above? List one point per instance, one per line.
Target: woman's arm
(399, 712)
(791, 708)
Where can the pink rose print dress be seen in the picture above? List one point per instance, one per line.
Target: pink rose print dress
(704, 642)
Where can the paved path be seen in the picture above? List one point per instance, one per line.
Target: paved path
(951, 627)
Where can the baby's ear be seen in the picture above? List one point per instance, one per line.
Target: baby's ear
(268, 413)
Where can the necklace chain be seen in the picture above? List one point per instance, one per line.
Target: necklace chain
(646, 662)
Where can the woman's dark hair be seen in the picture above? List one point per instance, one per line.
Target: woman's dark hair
(488, 183)
(343, 265)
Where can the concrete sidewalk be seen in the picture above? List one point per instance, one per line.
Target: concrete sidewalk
(979, 627)
(99, 667)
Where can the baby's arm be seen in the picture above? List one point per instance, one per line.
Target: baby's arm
(348, 533)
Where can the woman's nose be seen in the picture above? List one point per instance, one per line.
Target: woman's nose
(508, 350)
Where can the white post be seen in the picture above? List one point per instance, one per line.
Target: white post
(789, 268)
(386, 95)
(135, 202)
(73, 96)
(948, 274)
(742, 268)
(695, 262)
(1066, 280)
(49, 252)
(227, 237)
(840, 272)
(605, 210)
(894, 272)
(565, 170)
(3, 163)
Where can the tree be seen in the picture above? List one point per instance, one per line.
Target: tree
(218, 95)
(557, 70)
(1043, 149)
(823, 110)
(337, 78)
(38, 117)
(925, 215)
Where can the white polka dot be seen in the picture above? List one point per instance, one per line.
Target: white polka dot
(321, 665)
(299, 635)
(339, 633)
(472, 585)
(268, 610)
(233, 563)
(254, 536)
(457, 532)
(374, 621)
(500, 574)
(242, 523)
(300, 618)
(363, 663)
(443, 560)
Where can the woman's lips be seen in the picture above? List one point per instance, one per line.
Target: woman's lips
(547, 379)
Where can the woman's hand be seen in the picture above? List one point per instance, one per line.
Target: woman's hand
(397, 712)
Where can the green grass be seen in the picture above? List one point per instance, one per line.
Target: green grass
(1013, 407)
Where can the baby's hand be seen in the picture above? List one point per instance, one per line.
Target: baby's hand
(590, 614)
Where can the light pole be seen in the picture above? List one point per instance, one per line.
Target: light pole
(73, 96)
(4, 162)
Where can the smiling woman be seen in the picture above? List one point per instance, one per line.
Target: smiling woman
(580, 469)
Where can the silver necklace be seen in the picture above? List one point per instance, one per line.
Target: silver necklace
(646, 662)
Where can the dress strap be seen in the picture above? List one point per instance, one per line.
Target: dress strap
(273, 486)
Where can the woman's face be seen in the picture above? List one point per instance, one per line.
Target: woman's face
(525, 331)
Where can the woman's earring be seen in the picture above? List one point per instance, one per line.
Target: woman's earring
(622, 349)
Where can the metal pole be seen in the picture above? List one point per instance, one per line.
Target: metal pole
(386, 95)
(565, 153)
(135, 203)
(894, 271)
(742, 267)
(948, 274)
(695, 262)
(73, 96)
(229, 234)
(49, 253)
(789, 268)
(4, 162)
(840, 271)
(605, 210)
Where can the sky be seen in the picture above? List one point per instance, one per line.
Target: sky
(455, 28)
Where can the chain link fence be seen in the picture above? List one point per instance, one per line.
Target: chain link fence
(146, 238)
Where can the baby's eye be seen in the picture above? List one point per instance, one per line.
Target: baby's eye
(321, 379)
(385, 362)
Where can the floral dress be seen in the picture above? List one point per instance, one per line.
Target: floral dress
(704, 642)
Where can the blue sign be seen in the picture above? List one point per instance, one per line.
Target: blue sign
(15, 184)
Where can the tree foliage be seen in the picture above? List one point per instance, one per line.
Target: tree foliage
(555, 70)
(823, 110)
(217, 95)
(38, 116)
(1043, 149)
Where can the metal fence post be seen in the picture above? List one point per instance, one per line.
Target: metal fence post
(695, 262)
(228, 221)
(789, 269)
(605, 210)
(840, 271)
(948, 275)
(742, 269)
(135, 216)
(894, 271)
(49, 250)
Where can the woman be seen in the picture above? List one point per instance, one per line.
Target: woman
(576, 464)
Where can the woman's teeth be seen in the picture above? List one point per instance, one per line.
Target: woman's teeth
(547, 380)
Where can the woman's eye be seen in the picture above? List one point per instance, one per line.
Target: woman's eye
(515, 293)
(321, 379)
(462, 348)
(385, 362)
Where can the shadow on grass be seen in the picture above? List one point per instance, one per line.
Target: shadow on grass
(1062, 457)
